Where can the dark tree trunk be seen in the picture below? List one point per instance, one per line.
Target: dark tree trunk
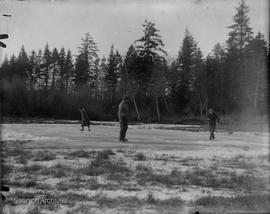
(157, 107)
(136, 108)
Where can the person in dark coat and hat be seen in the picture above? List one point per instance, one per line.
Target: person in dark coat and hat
(85, 119)
(212, 120)
(123, 110)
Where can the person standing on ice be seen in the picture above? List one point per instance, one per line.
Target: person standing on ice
(212, 119)
(123, 110)
(85, 119)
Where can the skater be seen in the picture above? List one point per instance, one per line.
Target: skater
(212, 119)
(85, 119)
(123, 118)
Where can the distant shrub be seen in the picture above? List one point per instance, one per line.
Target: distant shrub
(80, 154)
(70, 196)
(44, 156)
(31, 169)
(172, 202)
(6, 169)
(62, 186)
(252, 202)
(142, 167)
(12, 152)
(140, 157)
(120, 150)
(44, 186)
(29, 184)
(59, 173)
(150, 198)
(101, 165)
(22, 159)
(21, 155)
(103, 155)
(33, 210)
(81, 208)
(24, 195)
(26, 183)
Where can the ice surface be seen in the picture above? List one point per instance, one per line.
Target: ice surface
(141, 137)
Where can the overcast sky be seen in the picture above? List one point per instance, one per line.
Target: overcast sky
(63, 23)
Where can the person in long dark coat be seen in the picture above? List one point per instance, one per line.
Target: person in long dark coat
(212, 120)
(123, 110)
(85, 119)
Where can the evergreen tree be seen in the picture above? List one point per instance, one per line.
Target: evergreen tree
(46, 66)
(239, 37)
(81, 74)
(217, 90)
(129, 80)
(38, 71)
(254, 86)
(68, 70)
(158, 84)
(88, 51)
(151, 61)
(185, 64)
(101, 78)
(129, 71)
(241, 33)
(5, 70)
(173, 81)
(112, 72)
(31, 75)
(55, 67)
(61, 63)
(23, 64)
(199, 100)
(96, 78)
(150, 52)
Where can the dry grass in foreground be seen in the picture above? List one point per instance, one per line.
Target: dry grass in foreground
(121, 181)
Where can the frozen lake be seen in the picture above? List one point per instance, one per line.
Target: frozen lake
(150, 137)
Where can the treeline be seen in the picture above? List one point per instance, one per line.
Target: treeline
(54, 83)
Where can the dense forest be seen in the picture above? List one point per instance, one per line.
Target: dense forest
(52, 83)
